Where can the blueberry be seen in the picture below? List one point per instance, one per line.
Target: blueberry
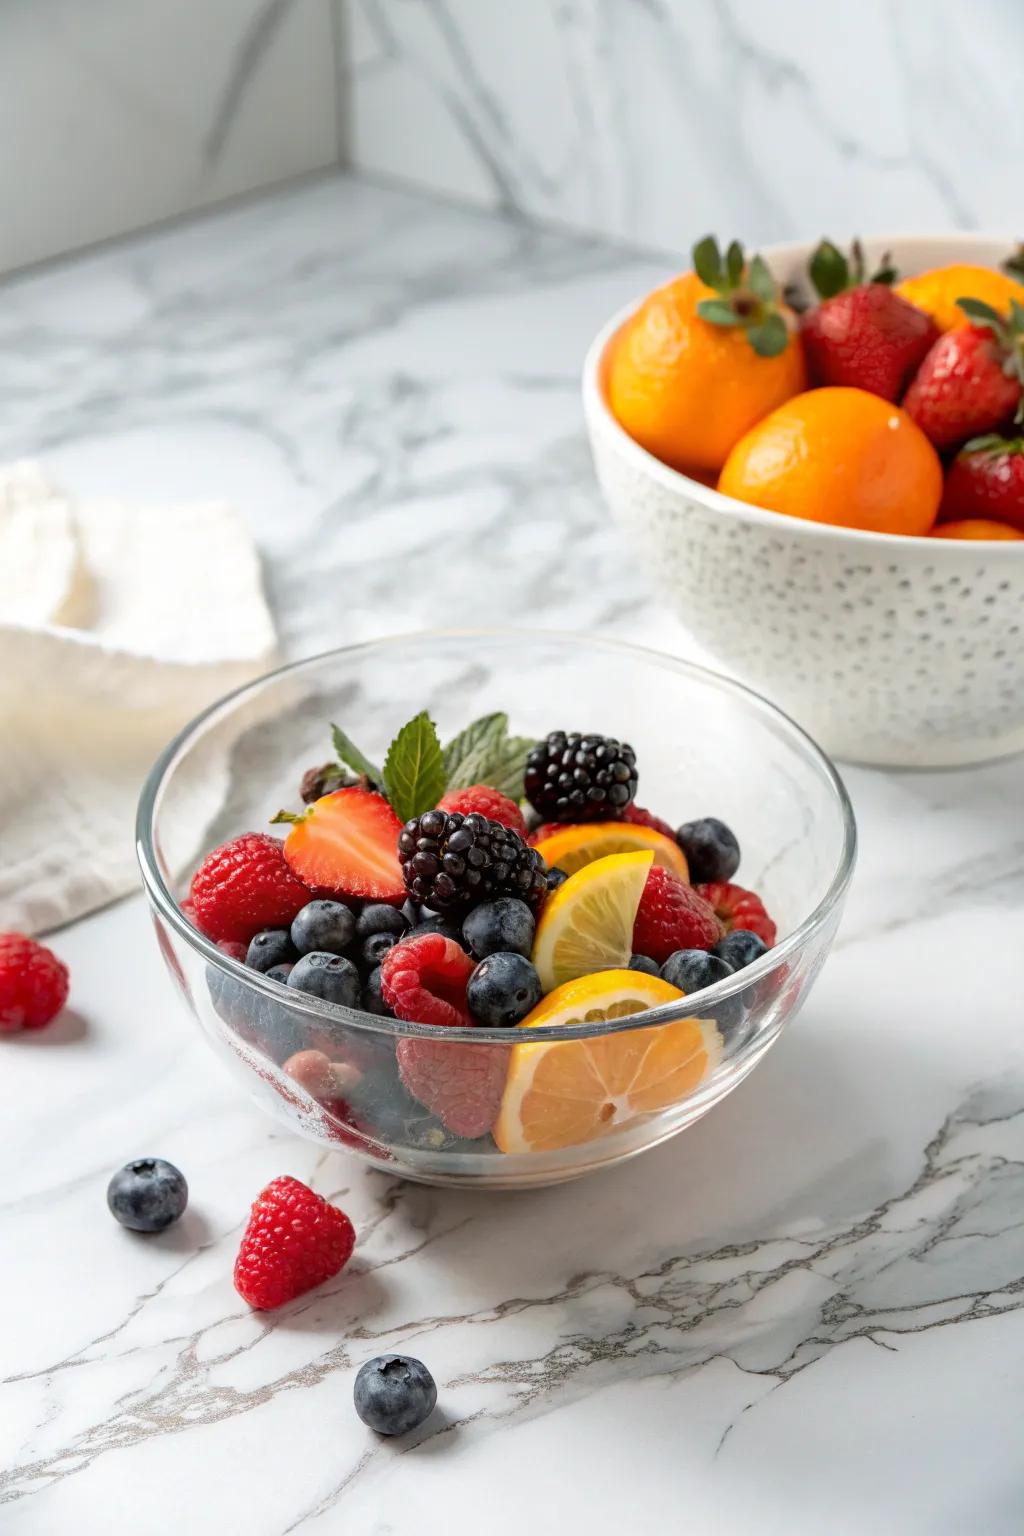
(712, 851)
(375, 946)
(271, 947)
(147, 1195)
(740, 948)
(444, 925)
(373, 997)
(646, 964)
(323, 927)
(330, 977)
(556, 877)
(378, 917)
(502, 990)
(691, 970)
(506, 924)
(280, 972)
(394, 1393)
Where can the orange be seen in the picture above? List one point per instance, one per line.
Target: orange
(937, 291)
(977, 528)
(839, 456)
(572, 847)
(687, 390)
(565, 1092)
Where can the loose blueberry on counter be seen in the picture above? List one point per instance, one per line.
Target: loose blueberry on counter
(323, 927)
(740, 948)
(147, 1195)
(330, 977)
(394, 1393)
(503, 925)
(378, 917)
(373, 997)
(280, 972)
(502, 990)
(556, 877)
(271, 947)
(691, 970)
(646, 964)
(711, 850)
(375, 946)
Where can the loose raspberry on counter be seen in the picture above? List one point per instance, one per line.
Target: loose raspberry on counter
(739, 908)
(243, 886)
(672, 916)
(33, 984)
(486, 802)
(294, 1241)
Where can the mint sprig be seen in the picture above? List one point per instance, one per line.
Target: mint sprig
(350, 754)
(414, 777)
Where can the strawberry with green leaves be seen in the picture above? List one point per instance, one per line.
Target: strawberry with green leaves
(862, 335)
(972, 380)
(986, 480)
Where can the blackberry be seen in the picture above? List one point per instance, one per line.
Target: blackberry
(452, 862)
(573, 777)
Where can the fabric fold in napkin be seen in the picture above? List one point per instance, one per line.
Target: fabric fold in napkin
(118, 622)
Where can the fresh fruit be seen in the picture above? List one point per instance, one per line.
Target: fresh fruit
(711, 849)
(571, 847)
(378, 917)
(505, 925)
(939, 291)
(740, 948)
(460, 1082)
(424, 978)
(703, 359)
(33, 984)
(374, 947)
(986, 480)
(280, 972)
(502, 990)
(322, 1078)
(645, 964)
(587, 924)
(693, 970)
(294, 1241)
(330, 977)
(394, 1394)
(451, 862)
(570, 777)
(739, 908)
(839, 456)
(233, 949)
(977, 528)
(487, 802)
(246, 885)
(346, 844)
(567, 1092)
(317, 782)
(642, 818)
(373, 995)
(970, 382)
(862, 334)
(556, 877)
(147, 1195)
(447, 927)
(671, 915)
(271, 947)
(324, 925)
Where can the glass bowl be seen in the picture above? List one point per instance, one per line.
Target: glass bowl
(705, 746)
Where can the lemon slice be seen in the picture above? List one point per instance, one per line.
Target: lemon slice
(571, 847)
(587, 925)
(563, 1093)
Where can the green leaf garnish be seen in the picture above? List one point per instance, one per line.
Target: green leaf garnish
(414, 777)
(770, 337)
(977, 309)
(760, 281)
(508, 767)
(288, 818)
(719, 312)
(349, 753)
(472, 749)
(707, 261)
(829, 270)
(734, 262)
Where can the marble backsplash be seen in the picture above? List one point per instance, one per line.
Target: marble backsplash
(656, 120)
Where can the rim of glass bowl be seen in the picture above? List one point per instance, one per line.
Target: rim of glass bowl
(315, 1008)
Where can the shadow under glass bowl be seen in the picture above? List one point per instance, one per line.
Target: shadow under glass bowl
(705, 746)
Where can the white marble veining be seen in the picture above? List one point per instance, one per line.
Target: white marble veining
(117, 113)
(656, 120)
(803, 1315)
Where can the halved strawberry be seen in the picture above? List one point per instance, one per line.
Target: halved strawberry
(346, 844)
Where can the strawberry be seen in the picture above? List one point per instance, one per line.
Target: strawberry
(243, 886)
(641, 818)
(986, 480)
(346, 844)
(738, 908)
(294, 1241)
(971, 380)
(672, 916)
(862, 334)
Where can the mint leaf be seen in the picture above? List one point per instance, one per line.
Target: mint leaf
(507, 769)
(349, 753)
(472, 749)
(414, 769)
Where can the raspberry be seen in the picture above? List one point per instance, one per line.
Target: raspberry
(546, 829)
(461, 1082)
(641, 818)
(672, 916)
(486, 802)
(243, 886)
(738, 908)
(294, 1241)
(33, 984)
(424, 981)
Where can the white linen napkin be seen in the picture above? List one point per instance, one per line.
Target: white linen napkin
(118, 622)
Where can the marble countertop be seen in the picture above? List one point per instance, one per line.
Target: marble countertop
(804, 1314)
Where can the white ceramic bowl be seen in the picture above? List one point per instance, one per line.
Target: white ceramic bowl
(892, 651)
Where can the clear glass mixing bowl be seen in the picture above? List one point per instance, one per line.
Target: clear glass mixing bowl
(705, 746)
